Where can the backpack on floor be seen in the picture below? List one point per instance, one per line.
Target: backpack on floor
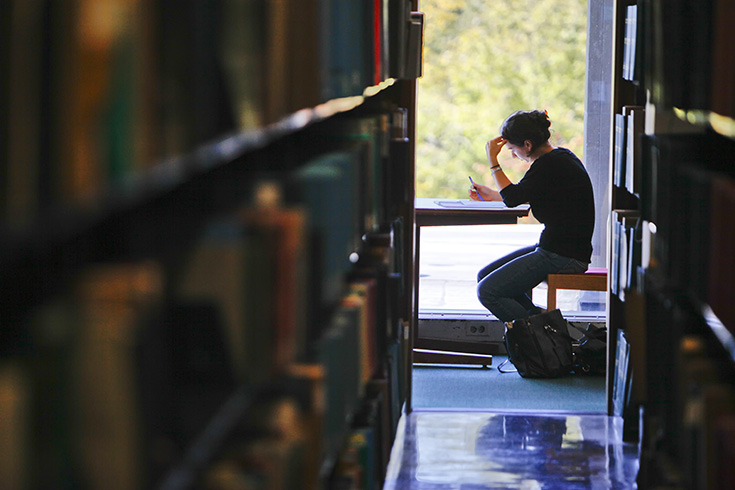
(539, 346)
(590, 351)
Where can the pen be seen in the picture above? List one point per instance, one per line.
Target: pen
(473, 186)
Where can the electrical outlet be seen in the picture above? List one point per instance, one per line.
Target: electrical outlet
(476, 330)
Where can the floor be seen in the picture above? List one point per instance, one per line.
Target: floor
(471, 449)
(452, 450)
(441, 387)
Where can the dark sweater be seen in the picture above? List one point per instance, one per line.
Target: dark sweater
(559, 191)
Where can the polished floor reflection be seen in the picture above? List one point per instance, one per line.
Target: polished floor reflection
(476, 450)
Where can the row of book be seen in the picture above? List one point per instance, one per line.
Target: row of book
(706, 402)
(629, 126)
(280, 444)
(672, 242)
(701, 73)
(133, 364)
(687, 181)
(96, 94)
(135, 359)
(688, 397)
(626, 249)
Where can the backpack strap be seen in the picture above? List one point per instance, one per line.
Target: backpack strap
(500, 367)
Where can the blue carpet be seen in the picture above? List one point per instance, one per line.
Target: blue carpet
(463, 387)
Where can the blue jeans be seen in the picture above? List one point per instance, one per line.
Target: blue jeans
(504, 285)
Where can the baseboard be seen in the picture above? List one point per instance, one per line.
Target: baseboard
(477, 333)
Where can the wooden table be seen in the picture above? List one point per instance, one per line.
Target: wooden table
(455, 212)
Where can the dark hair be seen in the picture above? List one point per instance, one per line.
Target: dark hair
(526, 125)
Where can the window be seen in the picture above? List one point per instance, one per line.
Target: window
(482, 61)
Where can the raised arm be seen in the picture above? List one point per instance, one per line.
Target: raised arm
(492, 148)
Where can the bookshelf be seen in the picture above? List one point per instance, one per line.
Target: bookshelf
(670, 309)
(207, 220)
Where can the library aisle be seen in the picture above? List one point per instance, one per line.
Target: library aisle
(480, 450)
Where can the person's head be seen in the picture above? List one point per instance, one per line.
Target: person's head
(525, 132)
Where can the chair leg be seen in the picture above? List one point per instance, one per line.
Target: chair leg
(551, 298)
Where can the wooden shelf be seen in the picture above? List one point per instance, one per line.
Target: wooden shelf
(66, 238)
(722, 125)
(210, 441)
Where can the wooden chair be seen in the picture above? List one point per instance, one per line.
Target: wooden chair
(595, 279)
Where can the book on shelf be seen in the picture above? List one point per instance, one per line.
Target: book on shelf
(622, 376)
(670, 73)
(194, 101)
(378, 390)
(630, 42)
(663, 201)
(15, 423)
(625, 247)
(639, 356)
(185, 378)
(270, 450)
(721, 268)
(373, 416)
(307, 384)
(362, 296)
(366, 138)
(414, 56)
(339, 353)
(648, 238)
(698, 18)
(293, 53)
(395, 358)
(112, 304)
(242, 50)
(704, 407)
(723, 66)
(623, 257)
(298, 54)
(635, 120)
(356, 464)
(684, 72)
(289, 270)
(22, 113)
(364, 456)
(399, 12)
(327, 186)
(634, 252)
(619, 151)
(724, 451)
(253, 268)
(379, 41)
(102, 95)
(696, 211)
(649, 178)
(346, 54)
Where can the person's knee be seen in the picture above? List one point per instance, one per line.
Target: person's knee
(486, 294)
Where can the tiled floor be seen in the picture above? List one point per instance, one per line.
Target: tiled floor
(480, 450)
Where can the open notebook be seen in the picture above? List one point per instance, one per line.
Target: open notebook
(469, 204)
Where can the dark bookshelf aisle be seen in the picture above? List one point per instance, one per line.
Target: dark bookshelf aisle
(207, 220)
(672, 271)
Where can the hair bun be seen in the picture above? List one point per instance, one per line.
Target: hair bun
(530, 125)
(543, 118)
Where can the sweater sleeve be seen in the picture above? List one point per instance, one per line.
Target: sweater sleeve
(520, 193)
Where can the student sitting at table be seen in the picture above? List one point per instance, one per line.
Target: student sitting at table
(559, 192)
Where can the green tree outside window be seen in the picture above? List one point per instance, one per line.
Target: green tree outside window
(484, 59)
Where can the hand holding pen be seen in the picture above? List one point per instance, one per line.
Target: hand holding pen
(474, 188)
